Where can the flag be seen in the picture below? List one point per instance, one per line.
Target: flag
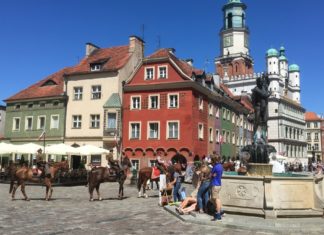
(42, 135)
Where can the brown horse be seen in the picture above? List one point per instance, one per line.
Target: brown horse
(19, 177)
(145, 174)
(99, 175)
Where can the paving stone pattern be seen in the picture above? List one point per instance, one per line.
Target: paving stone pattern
(70, 212)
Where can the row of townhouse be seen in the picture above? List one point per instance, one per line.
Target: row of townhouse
(134, 106)
(314, 136)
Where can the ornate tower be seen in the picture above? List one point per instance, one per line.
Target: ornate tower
(234, 57)
(294, 82)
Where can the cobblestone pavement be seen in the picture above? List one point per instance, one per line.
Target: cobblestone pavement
(70, 212)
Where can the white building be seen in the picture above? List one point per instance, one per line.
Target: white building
(286, 125)
(313, 135)
(2, 120)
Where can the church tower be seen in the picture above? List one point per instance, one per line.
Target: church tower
(234, 57)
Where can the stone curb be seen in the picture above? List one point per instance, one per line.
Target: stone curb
(291, 225)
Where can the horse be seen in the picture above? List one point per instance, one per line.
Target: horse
(99, 175)
(23, 174)
(145, 174)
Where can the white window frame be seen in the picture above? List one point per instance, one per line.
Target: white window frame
(201, 103)
(228, 137)
(216, 111)
(94, 121)
(138, 105)
(96, 92)
(169, 100)
(14, 123)
(77, 93)
(149, 130)
(136, 163)
(210, 109)
(211, 135)
(217, 135)
(146, 74)
(200, 131)
(224, 136)
(52, 121)
(131, 131)
(95, 67)
(158, 101)
(26, 123)
(233, 137)
(166, 72)
(167, 132)
(39, 127)
(78, 122)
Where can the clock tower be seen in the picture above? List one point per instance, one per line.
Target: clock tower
(234, 57)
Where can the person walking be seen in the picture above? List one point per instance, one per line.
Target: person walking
(216, 183)
(176, 183)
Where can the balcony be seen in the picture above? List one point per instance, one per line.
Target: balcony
(110, 132)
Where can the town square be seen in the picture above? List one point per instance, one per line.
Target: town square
(192, 118)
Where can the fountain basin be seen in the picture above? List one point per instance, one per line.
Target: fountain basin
(273, 196)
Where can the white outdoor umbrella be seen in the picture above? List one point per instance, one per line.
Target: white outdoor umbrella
(6, 148)
(61, 149)
(29, 148)
(91, 150)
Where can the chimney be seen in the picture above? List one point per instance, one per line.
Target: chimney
(189, 61)
(90, 48)
(136, 44)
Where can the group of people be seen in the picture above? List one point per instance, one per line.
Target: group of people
(208, 188)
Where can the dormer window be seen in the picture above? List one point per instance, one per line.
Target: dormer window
(95, 67)
(17, 106)
(163, 72)
(30, 106)
(149, 73)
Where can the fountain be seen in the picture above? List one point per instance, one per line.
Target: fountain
(260, 193)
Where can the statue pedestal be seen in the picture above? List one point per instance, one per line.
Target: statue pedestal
(260, 169)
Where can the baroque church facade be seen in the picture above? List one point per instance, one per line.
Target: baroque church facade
(286, 123)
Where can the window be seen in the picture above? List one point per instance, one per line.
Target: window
(153, 101)
(316, 136)
(153, 128)
(308, 136)
(228, 115)
(16, 124)
(136, 102)
(315, 125)
(216, 111)
(135, 164)
(316, 147)
(201, 103)
(173, 130)
(173, 101)
(96, 160)
(17, 106)
(228, 137)
(29, 123)
(163, 72)
(308, 124)
(200, 131)
(30, 106)
(211, 135)
(55, 103)
(149, 73)
(217, 136)
(233, 118)
(42, 105)
(233, 138)
(112, 120)
(76, 121)
(309, 147)
(135, 130)
(210, 109)
(94, 121)
(95, 67)
(77, 93)
(228, 41)
(54, 121)
(224, 136)
(41, 122)
(96, 92)
(224, 113)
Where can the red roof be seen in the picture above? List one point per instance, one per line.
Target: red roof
(311, 116)
(112, 59)
(183, 65)
(226, 90)
(51, 86)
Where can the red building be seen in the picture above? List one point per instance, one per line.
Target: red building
(165, 109)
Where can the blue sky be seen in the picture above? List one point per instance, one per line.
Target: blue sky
(39, 37)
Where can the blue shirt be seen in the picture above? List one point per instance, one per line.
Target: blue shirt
(218, 170)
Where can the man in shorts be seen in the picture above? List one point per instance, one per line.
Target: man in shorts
(216, 183)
